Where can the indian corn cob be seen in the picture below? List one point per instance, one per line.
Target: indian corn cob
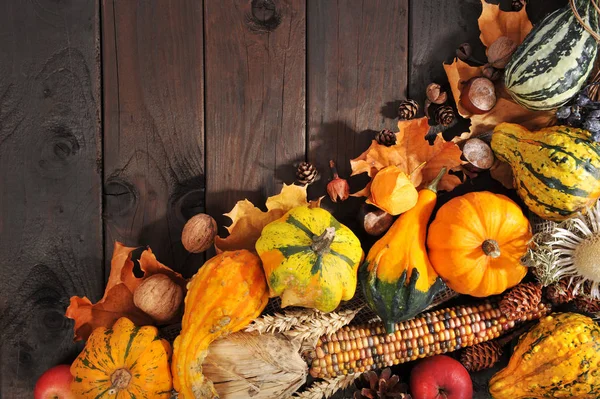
(355, 349)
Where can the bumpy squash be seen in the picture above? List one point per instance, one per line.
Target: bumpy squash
(476, 243)
(124, 361)
(559, 358)
(310, 259)
(555, 59)
(226, 294)
(397, 278)
(556, 169)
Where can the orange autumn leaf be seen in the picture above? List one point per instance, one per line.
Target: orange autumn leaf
(413, 155)
(248, 220)
(118, 296)
(494, 23)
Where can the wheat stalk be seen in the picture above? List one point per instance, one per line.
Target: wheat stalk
(321, 324)
(327, 388)
(282, 322)
(305, 324)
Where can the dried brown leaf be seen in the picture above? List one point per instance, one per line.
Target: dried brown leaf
(118, 296)
(248, 220)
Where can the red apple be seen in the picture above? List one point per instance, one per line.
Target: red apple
(55, 383)
(440, 377)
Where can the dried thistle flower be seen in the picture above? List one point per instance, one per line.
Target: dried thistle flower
(571, 250)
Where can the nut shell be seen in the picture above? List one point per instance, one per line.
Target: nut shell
(199, 233)
(159, 297)
(374, 221)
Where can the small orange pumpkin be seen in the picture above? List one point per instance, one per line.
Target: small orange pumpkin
(476, 243)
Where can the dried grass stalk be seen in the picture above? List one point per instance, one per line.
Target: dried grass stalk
(327, 388)
(251, 365)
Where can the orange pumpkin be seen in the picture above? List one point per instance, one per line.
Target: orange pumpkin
(476, 243)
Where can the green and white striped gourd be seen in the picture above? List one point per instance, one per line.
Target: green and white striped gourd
(555, 59)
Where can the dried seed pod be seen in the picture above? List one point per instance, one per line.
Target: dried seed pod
(435, 94)
(408, 109)
(199, 233)
(491, 73)
(374, 221)
(464, 52)
(159, 297)
(386, 137)
(478, 153)
(444, 115)
(517, 5)
(337, 188)
(500, 52)
(478, 96)
(306, 173)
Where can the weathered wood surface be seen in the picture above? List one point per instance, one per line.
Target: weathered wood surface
(204, 103)
(153, 125)
(357, 71)
(50, 182)
(255, 99)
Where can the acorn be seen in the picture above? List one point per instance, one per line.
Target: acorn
(478, 96)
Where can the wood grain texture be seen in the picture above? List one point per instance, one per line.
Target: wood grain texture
(357, 70)
(255, 99)
(154, 125)
(50, 174)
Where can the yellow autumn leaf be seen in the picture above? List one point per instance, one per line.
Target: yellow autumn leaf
(248, 220)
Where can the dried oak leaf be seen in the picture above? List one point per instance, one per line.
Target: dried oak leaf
(118, 295)
(494, 23)
(248, 220)
(413, 155)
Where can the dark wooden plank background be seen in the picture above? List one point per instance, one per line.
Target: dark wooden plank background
(121, 119)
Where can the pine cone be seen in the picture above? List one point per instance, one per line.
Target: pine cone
(560, 292)
(521, 299)
(481, 356)
(587, 305)
(444, 115)
(384, 386)
(517, 5)
(306, 173)
(408, 109)
(386, 138)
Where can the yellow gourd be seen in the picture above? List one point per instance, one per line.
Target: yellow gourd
(559, 358)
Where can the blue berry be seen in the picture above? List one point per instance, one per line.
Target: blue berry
(563, 112)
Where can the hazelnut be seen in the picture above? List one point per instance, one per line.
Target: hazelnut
(374, 221)
(199, 233)
(435, 94)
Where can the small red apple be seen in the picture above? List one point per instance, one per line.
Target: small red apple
(440, 377)
(55, 383)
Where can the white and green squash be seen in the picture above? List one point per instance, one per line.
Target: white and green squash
(555, 60)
